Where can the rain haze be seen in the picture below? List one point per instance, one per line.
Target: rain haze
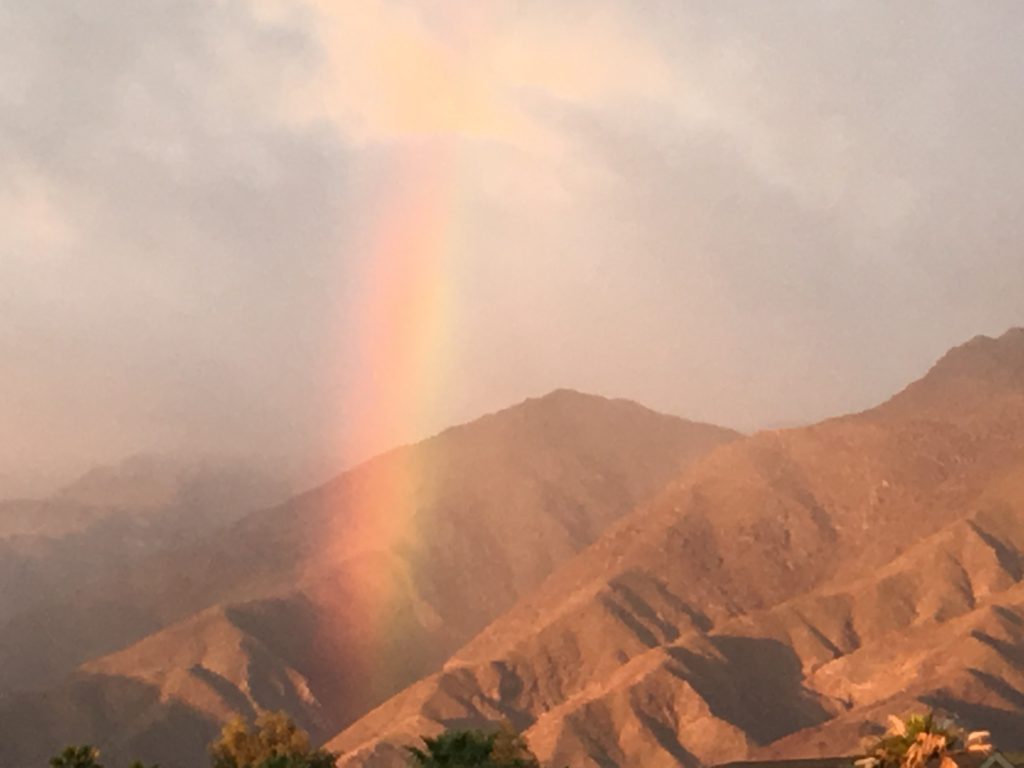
(721, 211)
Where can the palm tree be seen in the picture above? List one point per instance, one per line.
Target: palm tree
(84, 756)
(454, 749)
(923, 741)
(503, 748)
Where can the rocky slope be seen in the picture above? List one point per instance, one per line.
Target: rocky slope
(780, 597)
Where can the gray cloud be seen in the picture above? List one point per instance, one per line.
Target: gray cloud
(818, 201)
(188, 291)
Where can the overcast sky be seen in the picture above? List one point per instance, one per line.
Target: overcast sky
(749, 213)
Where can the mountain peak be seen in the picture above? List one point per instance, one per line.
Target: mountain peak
(567, 401)
(563, 397)
(972, 379)
(986, 354)
(148, 482)
(568, 393)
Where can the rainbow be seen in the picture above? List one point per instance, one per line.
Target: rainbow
(400, 324)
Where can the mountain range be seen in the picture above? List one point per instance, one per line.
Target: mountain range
(779, 598)
(298, 607)
(625, 587)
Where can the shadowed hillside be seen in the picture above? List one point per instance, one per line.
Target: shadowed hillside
(71, 560)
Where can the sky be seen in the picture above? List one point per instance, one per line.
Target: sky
(306, 231)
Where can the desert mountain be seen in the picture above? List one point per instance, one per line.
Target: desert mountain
(779, 597)
(328, 604)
